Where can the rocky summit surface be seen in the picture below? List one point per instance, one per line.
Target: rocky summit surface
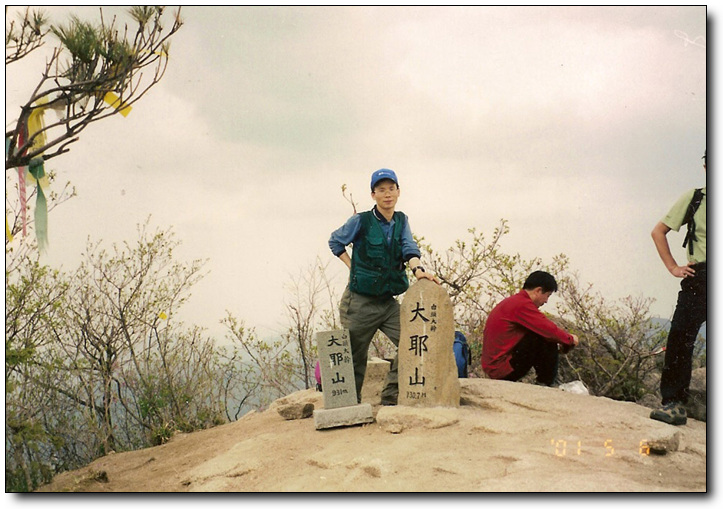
(504, 437)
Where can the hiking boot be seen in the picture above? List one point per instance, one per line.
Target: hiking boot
(389, 401)
(390, 395)
(673, 413)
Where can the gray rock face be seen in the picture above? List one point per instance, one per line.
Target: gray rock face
(395, 419)
(299, 405)
(697, 402)
(296, 411)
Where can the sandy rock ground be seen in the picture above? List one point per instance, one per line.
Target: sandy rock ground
(505, 437)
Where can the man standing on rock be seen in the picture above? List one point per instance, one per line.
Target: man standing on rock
(382, 243)
(691, 309)
(518, 336)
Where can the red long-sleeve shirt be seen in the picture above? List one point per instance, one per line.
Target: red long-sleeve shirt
(508, 322)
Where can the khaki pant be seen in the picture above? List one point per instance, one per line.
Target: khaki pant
(363, 315)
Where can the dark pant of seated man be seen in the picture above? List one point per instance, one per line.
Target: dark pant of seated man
(533, 351)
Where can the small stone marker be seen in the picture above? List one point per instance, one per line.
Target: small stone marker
(427, 369)
(337, 383)
(337, 368)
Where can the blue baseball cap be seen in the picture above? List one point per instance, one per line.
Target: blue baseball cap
(382, 174)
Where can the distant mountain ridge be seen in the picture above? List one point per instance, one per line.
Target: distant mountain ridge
(665, 323)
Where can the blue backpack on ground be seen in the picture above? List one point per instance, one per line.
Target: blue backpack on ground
(462, 354)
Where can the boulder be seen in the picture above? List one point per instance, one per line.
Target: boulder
(697, 402)
(374, 377)
(299, 405)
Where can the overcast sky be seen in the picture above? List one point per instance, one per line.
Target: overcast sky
(579, 125)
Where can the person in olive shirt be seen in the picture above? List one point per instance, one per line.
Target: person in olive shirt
(691, 309)
(382, 243)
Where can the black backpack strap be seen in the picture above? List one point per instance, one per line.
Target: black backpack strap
(692, 208)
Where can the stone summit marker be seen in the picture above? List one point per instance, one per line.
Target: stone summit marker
(337, 383)
(427, 369)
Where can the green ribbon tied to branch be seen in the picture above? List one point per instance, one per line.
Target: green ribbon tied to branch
(37, 170)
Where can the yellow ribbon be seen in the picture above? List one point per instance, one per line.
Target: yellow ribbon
(36, 124)
(115, 102)
(112, 99)
(8, 233)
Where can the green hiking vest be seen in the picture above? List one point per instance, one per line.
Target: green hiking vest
(377, 268)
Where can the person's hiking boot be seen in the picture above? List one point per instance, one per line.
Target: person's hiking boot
(390, 394)
(673, 413)
(389, 401)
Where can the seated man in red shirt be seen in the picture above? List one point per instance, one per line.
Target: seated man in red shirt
(518, 336)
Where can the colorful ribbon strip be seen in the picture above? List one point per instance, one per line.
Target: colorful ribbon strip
(122, 107)
(37, 170)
